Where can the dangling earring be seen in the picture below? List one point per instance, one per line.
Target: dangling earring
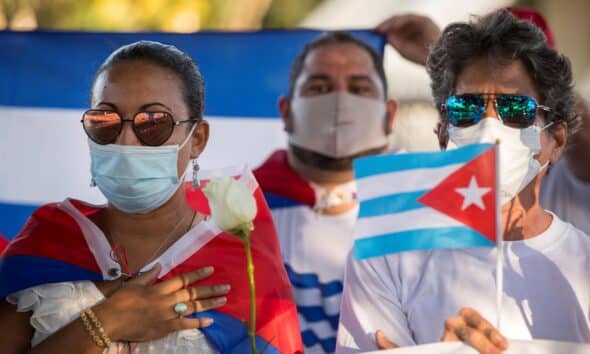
(196, 168)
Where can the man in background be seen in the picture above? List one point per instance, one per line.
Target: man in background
(337, 109)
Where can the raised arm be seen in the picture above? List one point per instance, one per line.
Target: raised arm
(411, 35)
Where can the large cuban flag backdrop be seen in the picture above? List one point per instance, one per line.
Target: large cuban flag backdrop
(45, 79)
(423, 201)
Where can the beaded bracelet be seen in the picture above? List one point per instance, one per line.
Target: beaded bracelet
(98, 326)
(90, 330)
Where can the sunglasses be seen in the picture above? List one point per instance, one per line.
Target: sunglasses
(517, 111)
(151, 128)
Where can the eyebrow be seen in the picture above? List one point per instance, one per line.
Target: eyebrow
(147, 105)
(143, 106)
(112, 105)
(360, 78)
(318, 77)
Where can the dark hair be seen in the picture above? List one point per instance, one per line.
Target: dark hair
(165, 56)
(331, 38)
(501, 38)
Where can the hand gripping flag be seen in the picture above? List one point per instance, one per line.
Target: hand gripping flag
(425, 201)
(53, 247)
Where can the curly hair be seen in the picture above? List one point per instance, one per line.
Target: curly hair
(501, 38)
(168, 57)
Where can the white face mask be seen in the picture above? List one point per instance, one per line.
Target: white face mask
(518, 147)
(136, 179)
(338, 124)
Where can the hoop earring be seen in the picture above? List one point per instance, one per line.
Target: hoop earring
(196, 168)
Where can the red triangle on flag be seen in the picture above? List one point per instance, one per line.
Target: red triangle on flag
(468, 195)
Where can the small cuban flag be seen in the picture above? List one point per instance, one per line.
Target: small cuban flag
(426, 201)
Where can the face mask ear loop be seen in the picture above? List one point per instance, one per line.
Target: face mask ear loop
(190, 134)
(188, 137)
(548, 125)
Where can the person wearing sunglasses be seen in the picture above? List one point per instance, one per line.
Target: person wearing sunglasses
(493, 79)
(131, 276)
(565, 191)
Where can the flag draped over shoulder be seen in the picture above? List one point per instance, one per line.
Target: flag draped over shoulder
(45, 80)
(52, 248)
(424, 201)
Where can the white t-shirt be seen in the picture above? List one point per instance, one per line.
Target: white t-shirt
(315, 248)
(410, 295)
(567, 196)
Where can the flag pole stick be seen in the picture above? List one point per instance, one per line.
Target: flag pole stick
(499, 242)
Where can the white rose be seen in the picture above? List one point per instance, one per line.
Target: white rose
(232, 205)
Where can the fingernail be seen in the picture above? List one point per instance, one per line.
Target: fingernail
(208, 270)
(223, 288)
(221, 300)
(207, 322)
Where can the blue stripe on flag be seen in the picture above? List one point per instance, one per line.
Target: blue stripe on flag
(310, 339)
(389, 204)
(312, 281)
(230, 335)
(375, 165)
(21, 272)
(244, 72)
(13, 217)
(317, 314)
(419, 239)
(276, 201)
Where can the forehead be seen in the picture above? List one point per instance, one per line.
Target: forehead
(483, 76)
(338, 60)
(137, 80)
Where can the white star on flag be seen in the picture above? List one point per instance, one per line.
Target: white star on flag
(473, 194)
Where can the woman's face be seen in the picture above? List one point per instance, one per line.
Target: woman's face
(135, 86)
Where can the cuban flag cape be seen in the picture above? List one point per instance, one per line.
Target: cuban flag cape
(283, 187)
(45, 79)
(52, 248)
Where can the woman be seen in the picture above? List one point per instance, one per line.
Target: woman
(492, 79)
(115, 278)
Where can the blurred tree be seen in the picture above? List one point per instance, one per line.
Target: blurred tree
(288, 13)
(152, 15)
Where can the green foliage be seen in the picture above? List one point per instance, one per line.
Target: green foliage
(154, 15)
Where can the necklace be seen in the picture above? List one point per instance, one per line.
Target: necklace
(119, 255)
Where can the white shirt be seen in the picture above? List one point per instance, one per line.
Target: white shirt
(314, 248)
(567, 196)
(410, 295)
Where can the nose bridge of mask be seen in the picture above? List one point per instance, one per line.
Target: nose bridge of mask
(314, 121)
(360, 116)
(132, 162)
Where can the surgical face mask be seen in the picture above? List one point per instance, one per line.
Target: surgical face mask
(338, 124)
(518, 167)
(136, 179)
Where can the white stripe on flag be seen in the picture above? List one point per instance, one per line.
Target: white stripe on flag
(45, 152)
(386, 224)
(402, 182)
(313, 297)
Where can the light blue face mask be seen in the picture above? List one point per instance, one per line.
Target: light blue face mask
(136, 179)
